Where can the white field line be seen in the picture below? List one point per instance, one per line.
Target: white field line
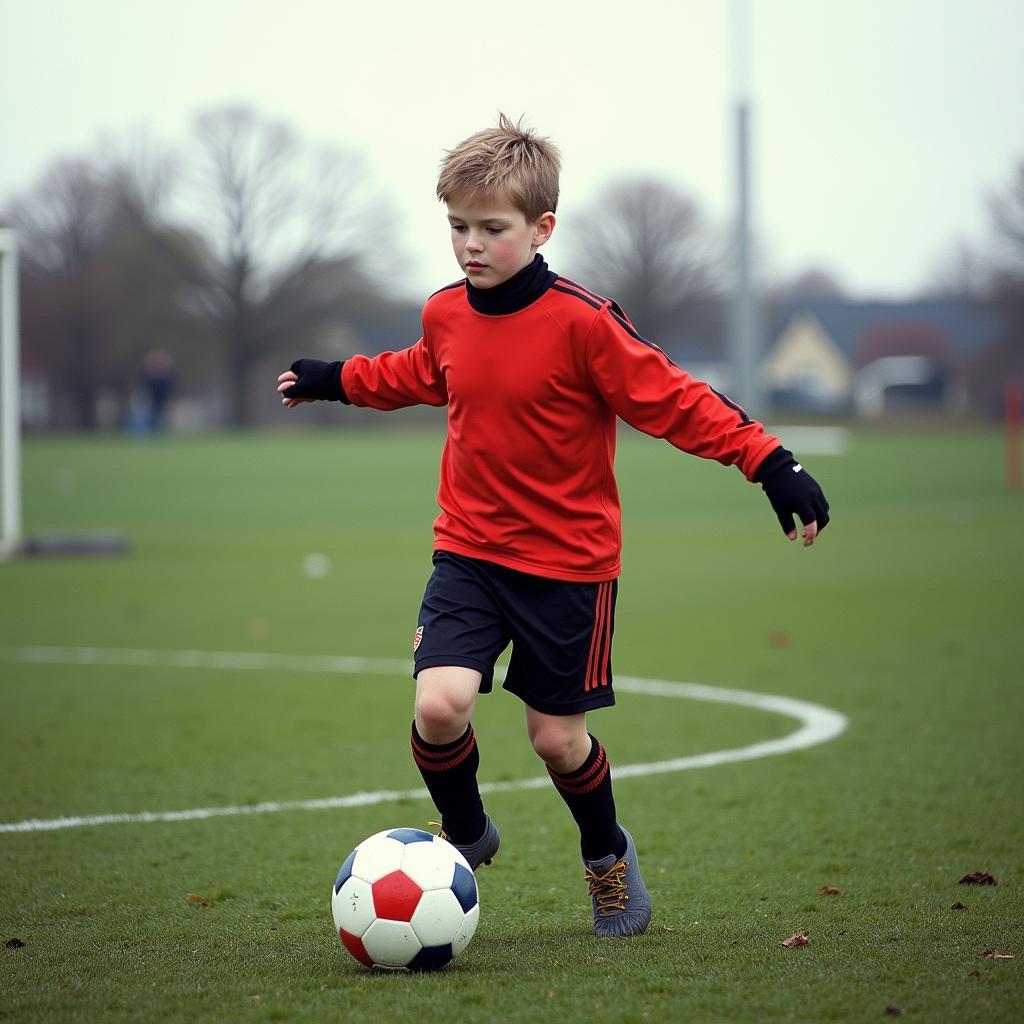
(818, 724)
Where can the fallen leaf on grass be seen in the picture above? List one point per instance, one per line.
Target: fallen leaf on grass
(978, 878)
(830, 890)
(199, 901)
(958, 906)
(893, 1011)
(998, 954)
(799, 939)
(14, 943)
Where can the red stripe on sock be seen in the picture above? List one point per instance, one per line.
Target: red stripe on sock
(444, 760)
(584, 782)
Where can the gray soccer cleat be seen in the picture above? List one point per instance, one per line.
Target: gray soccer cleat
(483, 849)
(622, 904)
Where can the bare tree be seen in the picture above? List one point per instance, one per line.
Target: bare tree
(287, 228)
(644, 243)
(269, 248)
(97, 292)
(278, 246)
(964, 273)
(1007, 210)
(63, 225)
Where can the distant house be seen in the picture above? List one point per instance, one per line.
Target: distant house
(867, 356)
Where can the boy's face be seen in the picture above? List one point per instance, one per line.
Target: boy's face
(493, 240)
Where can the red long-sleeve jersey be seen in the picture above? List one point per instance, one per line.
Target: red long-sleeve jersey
(527, 476)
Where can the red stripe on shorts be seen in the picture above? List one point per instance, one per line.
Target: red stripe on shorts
(606, 639)
(602, 609)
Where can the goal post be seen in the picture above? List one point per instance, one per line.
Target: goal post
(13, 541)
(10, 399)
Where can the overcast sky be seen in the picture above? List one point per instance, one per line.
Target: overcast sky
(880, 126)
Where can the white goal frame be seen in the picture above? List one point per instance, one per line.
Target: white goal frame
(10, 399)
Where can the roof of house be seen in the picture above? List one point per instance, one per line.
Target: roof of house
(970, 327)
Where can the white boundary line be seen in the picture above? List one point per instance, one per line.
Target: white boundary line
(818, 724)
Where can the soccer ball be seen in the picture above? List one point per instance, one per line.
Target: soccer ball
(405, 898)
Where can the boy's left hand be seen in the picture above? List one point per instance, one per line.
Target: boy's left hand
(284, 382)
(793, 491)
(309, 380)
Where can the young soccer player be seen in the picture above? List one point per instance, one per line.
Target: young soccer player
(535, 369)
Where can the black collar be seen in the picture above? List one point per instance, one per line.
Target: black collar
(518, 292)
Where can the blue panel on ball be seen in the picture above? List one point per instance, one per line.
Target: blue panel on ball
(431, 958)
(410, 835)
(464, 887)
(345, 873)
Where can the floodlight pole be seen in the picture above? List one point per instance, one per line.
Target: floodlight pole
(10, 404)
(744, 332)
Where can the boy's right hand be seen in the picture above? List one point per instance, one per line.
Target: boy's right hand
(309, 380)
(793, 491)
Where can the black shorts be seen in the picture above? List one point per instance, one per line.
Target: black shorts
(561, 633)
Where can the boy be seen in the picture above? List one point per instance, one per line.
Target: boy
(534, 369)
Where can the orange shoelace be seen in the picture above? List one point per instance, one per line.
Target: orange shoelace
(609, 889)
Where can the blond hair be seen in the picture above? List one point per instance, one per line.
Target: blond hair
(507, 161)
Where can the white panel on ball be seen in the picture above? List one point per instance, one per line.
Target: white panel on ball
(353, 906)
(461, 941)
(378, 856)
(437, 917)
(391, 943)
(425, 865)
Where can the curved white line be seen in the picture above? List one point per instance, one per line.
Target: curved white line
(818, 724)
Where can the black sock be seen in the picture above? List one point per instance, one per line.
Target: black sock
(449, 770)
(588, 795)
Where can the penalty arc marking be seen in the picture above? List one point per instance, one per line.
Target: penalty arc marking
(817, 724)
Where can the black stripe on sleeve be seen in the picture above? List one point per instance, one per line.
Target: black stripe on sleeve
(615, 307)
(580, 288)
(628, 327)
(633, 333)
(579, 295)
(621, 320)
(744, 418)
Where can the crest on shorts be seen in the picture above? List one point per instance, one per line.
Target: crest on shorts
(417, 639)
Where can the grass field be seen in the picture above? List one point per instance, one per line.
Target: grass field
(906, 618)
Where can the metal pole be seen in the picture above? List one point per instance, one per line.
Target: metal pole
(10, 404)
(744, 332)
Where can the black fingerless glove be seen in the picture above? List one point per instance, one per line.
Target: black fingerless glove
(792, 491)
(317, 379)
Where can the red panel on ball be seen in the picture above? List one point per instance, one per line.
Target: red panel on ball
(395, 896)
(355, 946)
